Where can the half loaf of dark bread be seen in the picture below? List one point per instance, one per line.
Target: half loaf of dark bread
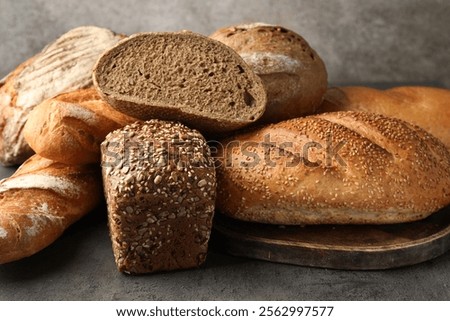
(181, 76)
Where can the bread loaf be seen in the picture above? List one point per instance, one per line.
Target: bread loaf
(333, 168)
(70, 127)
(160, 187)
(293, 74)
(39, 201)
(425, 107)
(64, 65)
(182, 77)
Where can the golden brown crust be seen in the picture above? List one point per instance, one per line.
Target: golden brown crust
(343, 168)
(425, 107)
(70, 127)
(39, 201)
(293, 74)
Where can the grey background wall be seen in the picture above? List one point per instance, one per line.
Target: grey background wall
(376, 41)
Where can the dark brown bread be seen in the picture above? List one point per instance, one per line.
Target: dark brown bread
(160, 188)
(334, 168)
(183, 77)
(426, 107)
(40, 200)
(64, 65)
(293, 74)
(70, 127)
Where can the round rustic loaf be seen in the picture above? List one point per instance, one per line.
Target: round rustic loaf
(293, 74)
(160, 187)
(426, 107)
(333, 168)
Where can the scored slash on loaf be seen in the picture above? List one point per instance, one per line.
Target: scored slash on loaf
(160, 187)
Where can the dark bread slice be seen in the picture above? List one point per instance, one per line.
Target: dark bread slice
(180, 76)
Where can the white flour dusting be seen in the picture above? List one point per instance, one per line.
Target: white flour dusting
(267, 62)
(3, 233)
(81, 113)
(41, 181)
(254, 25)
(39, 222)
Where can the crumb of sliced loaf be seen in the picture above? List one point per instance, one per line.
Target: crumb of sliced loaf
(181, 76)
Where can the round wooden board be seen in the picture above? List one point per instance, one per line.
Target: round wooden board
(352, 247)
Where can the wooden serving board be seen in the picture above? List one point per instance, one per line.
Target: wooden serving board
(368, 247)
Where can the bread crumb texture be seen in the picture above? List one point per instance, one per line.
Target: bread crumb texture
(184, 71)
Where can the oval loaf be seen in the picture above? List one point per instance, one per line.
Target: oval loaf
(334, 168)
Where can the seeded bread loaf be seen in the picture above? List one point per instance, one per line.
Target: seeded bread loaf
(293, 74)
(160, 187)
(70, 127)
(64, 65)
(334, 168)
(426, 107)
(182, 77)
(40, 200)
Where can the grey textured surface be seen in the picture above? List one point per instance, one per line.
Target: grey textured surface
(80, 266)
(360, 41)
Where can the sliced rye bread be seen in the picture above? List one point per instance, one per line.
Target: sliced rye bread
(181, 76)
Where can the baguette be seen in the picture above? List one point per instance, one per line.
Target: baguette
(334, 168)
(426, 107)
(70, 127)
(180, 76)
(64, 65)
(293, 74)
(39, 201)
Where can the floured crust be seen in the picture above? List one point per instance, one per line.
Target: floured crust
(64, 65)
(388, 171)
(293, 74)
(39, 201)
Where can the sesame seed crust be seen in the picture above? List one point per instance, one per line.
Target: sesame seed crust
(387, 171)
(160, 187)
